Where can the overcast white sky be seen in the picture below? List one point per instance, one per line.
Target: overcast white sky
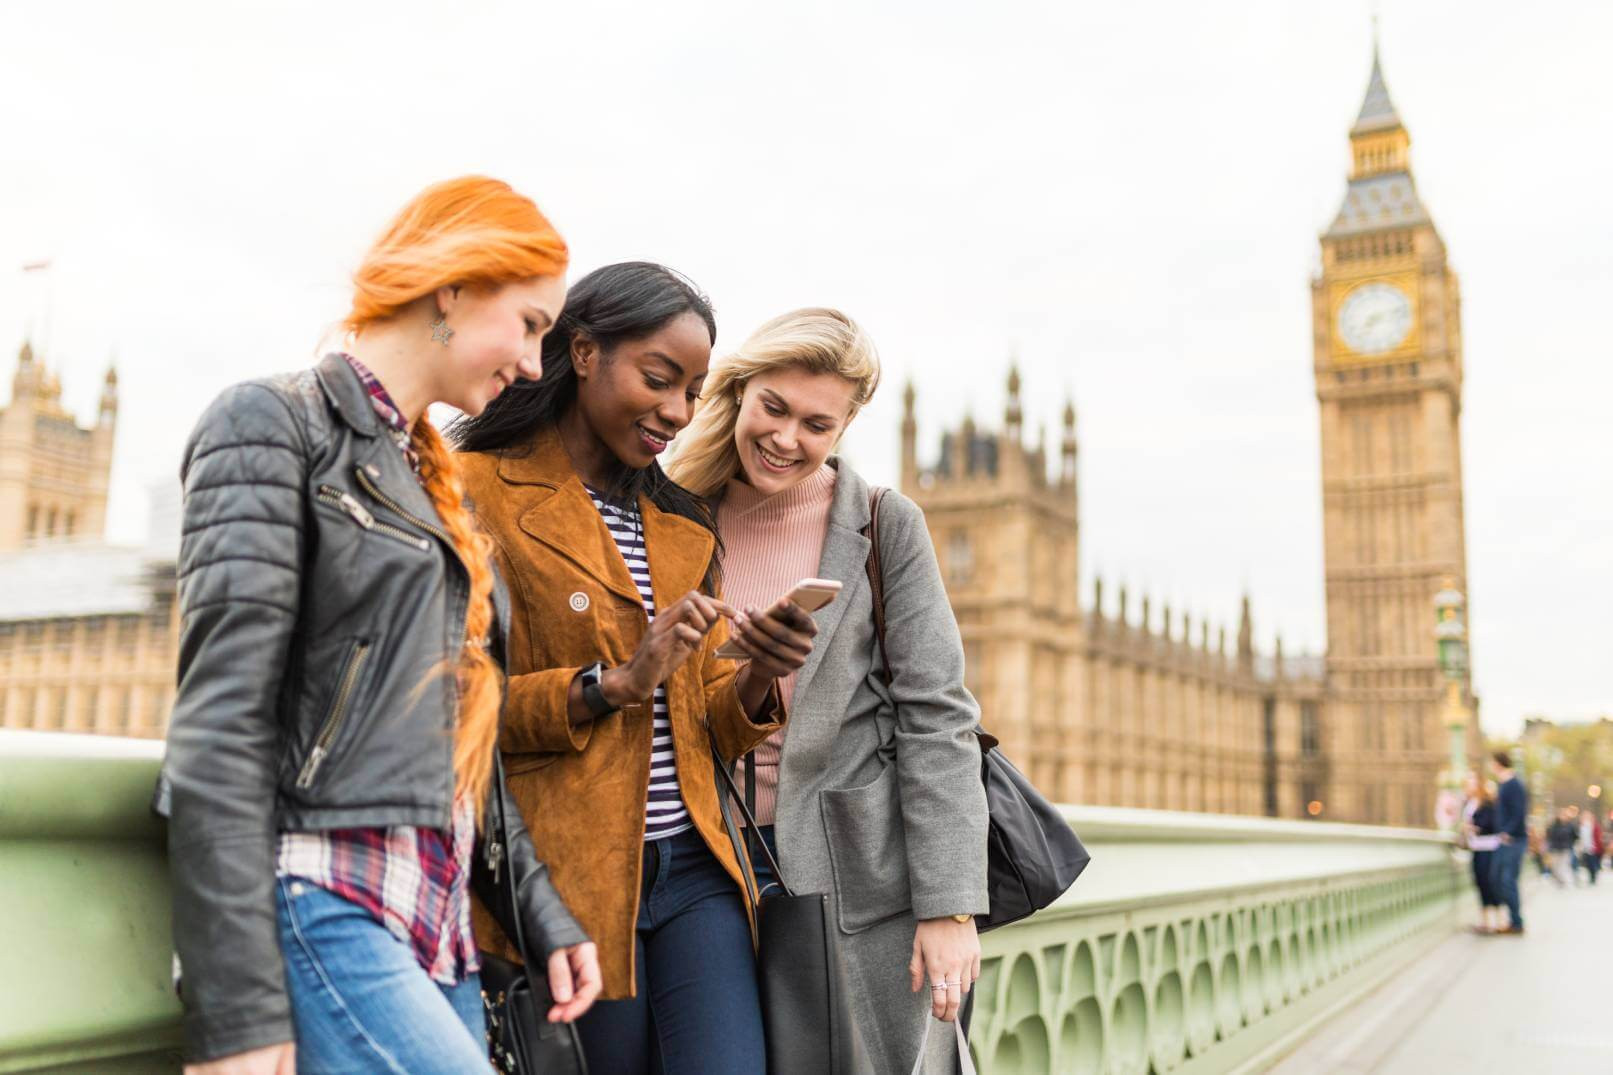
(1126, 195)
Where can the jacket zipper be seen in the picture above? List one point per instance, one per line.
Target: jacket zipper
(362, 515)
(370, 487)
(333, 723)
(430, 528)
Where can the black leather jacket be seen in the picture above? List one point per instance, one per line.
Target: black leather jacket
(319, 599)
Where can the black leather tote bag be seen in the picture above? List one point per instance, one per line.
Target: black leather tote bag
(520, 1038)
(806, 1011)
(1032, 854)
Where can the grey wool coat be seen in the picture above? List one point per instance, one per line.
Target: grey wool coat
(880, 802)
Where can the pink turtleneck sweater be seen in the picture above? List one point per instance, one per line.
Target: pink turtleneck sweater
(769, 544)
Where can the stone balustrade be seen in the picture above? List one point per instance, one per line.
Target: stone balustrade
(1193, 943)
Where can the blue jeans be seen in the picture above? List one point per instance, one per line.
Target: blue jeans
(696, 1011)
(1504, 863)
(360, 1001)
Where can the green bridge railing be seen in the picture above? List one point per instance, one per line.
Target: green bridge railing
(1193, 943)
(1204, 943)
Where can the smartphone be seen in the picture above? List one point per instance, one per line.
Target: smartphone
(808, 594)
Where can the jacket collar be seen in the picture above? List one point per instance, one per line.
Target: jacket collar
(549, 504)
(347, 394)
(844, 557)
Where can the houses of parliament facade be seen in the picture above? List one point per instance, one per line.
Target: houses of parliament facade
(1103, 703)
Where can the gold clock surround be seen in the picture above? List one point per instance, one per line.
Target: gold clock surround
(1345, 355)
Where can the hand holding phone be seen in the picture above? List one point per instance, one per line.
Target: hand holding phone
(808, 595)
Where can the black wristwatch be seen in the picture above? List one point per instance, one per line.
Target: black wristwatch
(593, 692)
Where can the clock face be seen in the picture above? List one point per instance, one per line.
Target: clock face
(1375, 318)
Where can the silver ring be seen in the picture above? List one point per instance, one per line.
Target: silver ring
(938, 987)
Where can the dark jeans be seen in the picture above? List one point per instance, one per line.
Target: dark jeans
(696, 1011)
(1593, 864)
(1504, 863)
(1481, 878)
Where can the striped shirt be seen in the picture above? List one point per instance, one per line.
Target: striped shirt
(412, 879)
(664, 812)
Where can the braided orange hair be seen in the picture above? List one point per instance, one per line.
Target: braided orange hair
(478, 232)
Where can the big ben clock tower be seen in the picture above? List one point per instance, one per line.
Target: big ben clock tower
(1388, 349)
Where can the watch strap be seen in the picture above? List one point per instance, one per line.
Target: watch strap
(593, 694)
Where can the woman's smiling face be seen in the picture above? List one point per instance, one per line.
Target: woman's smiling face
(642, 394)
(789, 421)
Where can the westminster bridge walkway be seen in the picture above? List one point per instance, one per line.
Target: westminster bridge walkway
(1193, 943)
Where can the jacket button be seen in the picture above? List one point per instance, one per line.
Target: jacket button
(372, 470)
(579, 602)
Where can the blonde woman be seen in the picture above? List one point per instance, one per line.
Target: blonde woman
(873, 790)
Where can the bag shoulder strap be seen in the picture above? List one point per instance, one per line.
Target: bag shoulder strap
(727, 793)
(876, 574)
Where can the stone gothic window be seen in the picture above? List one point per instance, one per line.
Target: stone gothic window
(960, 557)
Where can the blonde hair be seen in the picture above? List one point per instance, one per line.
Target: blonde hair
(474, 231)
(816, 339)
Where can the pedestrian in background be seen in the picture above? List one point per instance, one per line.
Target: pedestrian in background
(1511, 821)
(1482, 842)
(1561, 835)
(1591, 845)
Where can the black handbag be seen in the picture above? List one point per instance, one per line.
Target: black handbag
(1032, 854)
(520, 1038)
(806, 1009)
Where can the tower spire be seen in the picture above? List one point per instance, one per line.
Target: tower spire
(1013, 413)
(1377, 110)
(910, 428)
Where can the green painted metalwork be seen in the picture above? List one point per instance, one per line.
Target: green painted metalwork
(1194, 942)
(86, 965)
(1200, 943)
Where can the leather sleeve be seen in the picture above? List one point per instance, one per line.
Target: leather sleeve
(544, 917)
(240, 562)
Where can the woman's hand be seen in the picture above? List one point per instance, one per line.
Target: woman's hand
(946, 954)
(270, 1060)
(574, 981)
(675, 634)
(778, 641)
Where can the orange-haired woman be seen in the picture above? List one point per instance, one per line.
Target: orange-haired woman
(331, 755)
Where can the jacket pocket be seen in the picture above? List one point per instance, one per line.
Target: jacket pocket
(339, 706)
(867, 851)
(517, 764)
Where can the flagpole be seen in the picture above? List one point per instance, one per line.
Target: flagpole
(40, 270)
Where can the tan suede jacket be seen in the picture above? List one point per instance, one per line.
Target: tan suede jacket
(582, 790)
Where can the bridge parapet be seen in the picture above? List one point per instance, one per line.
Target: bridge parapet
(1200, 942)
(1193, 943)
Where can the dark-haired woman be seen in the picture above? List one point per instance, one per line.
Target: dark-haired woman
(615, 690)
(331, 754)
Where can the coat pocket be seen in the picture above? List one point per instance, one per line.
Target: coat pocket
(867, 851)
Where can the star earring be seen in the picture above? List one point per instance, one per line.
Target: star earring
(440, 332)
